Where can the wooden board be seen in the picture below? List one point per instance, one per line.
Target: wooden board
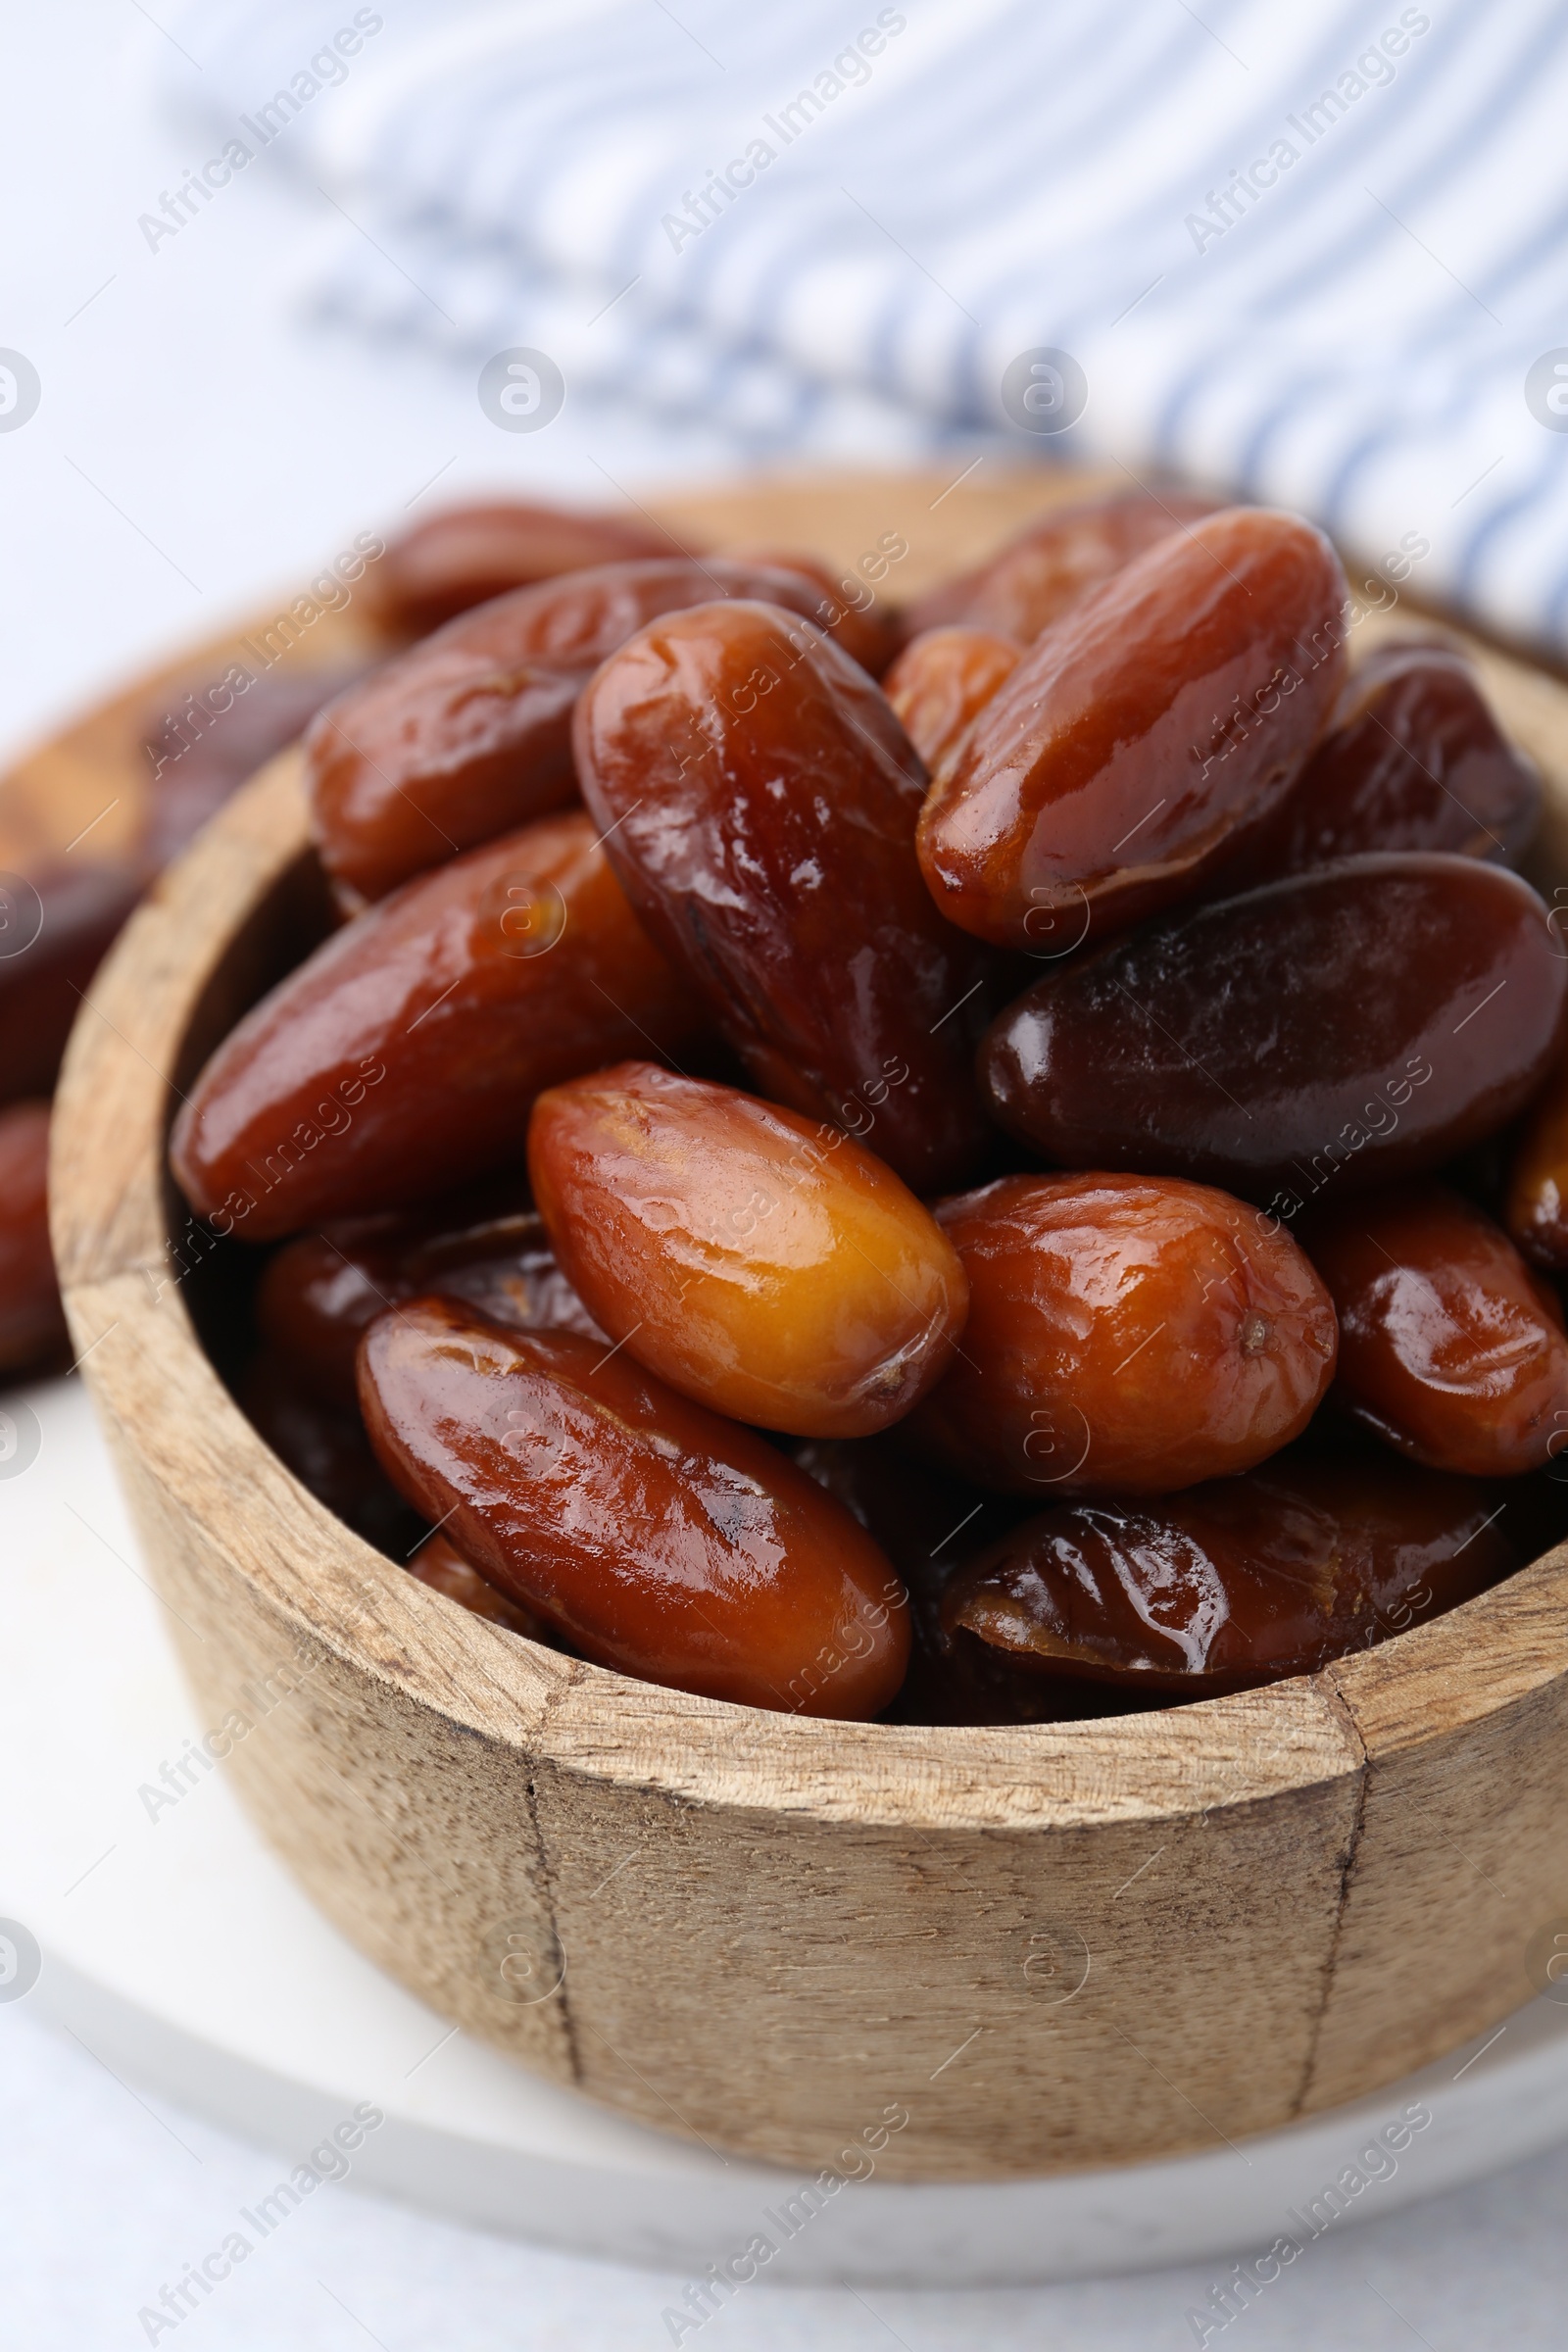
(1043, 1948)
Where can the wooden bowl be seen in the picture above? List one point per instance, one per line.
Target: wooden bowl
(977, 1952)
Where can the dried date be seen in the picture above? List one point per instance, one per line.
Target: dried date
(1127, 1335)
(767, 1267)
(1450, 1349)
(1141, 742)
(323, 1291)
(1236, 1582)
(1305, 1040)
(403, 1058)
(32, 1320)
(1053, 563)
(1413, 761)
(941, 682)
(659, 1539)
(759, 799)
(466, 555)
(469, 734)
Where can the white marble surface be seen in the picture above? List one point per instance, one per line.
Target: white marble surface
(192, 452)
(105, 2196)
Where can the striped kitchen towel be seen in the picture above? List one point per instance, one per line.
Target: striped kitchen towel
(1314, 256)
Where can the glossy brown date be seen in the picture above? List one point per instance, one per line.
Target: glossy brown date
(1536, 1200)
(1143, 738)
(470, 734)
(439, 1564)
(765, 1266)
(928, 1524)
(466, 555)
(56, 926)
(659, 1539)
(327, 1448)
(1414, 759)
(1237, 1583)
(1451, 1349)
(32, 1321)
(432, 755)
(203, 741)
(759, 799)
(1302, 1041)
(1126, 1335)
(942, 680)
(846, 606)
(321, 1292)
(403, 1058)
(1055, 561)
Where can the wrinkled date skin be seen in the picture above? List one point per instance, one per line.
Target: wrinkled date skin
(327, 1448)
(1451, 1349)
(942, 680)
(1305, 1040)
(439, 1564)
(659, 1539)
(1536, 1201)
(1141, 740)
(32, 1321)
(765, 1266)
(470, 734)
(1237, 1583)
(1053, 563)
(759, 798)
(43, 981)
(404, 1055)
(466, 555)
(1413, 761)
(321, 1292)
(1127, 1335)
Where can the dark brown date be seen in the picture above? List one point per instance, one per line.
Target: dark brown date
(1055, 561)
(469, 733)
(466, 555)
(1127, 1335)
(1141, 742)
(942, 681)
(327, 1448)
(659, 1539)
(759, 799)
(1314, 1036)
(928, 1525)
(1451, 1349)
(32, 1321)
(1237, 1583)
(205, 739)
(403, 1058)
(439, 1564)
(321, 1292)
(56, 926)
(1413, 761)
(1536, 1205)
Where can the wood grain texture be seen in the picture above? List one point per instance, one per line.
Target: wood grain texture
(1050, 1947)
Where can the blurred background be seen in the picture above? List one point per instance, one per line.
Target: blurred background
(279, 276)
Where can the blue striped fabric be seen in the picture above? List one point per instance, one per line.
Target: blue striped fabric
(1311, 255)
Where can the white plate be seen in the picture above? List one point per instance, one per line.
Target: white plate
(179, 1950)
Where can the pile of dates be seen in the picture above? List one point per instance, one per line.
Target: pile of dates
(994, 1163)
